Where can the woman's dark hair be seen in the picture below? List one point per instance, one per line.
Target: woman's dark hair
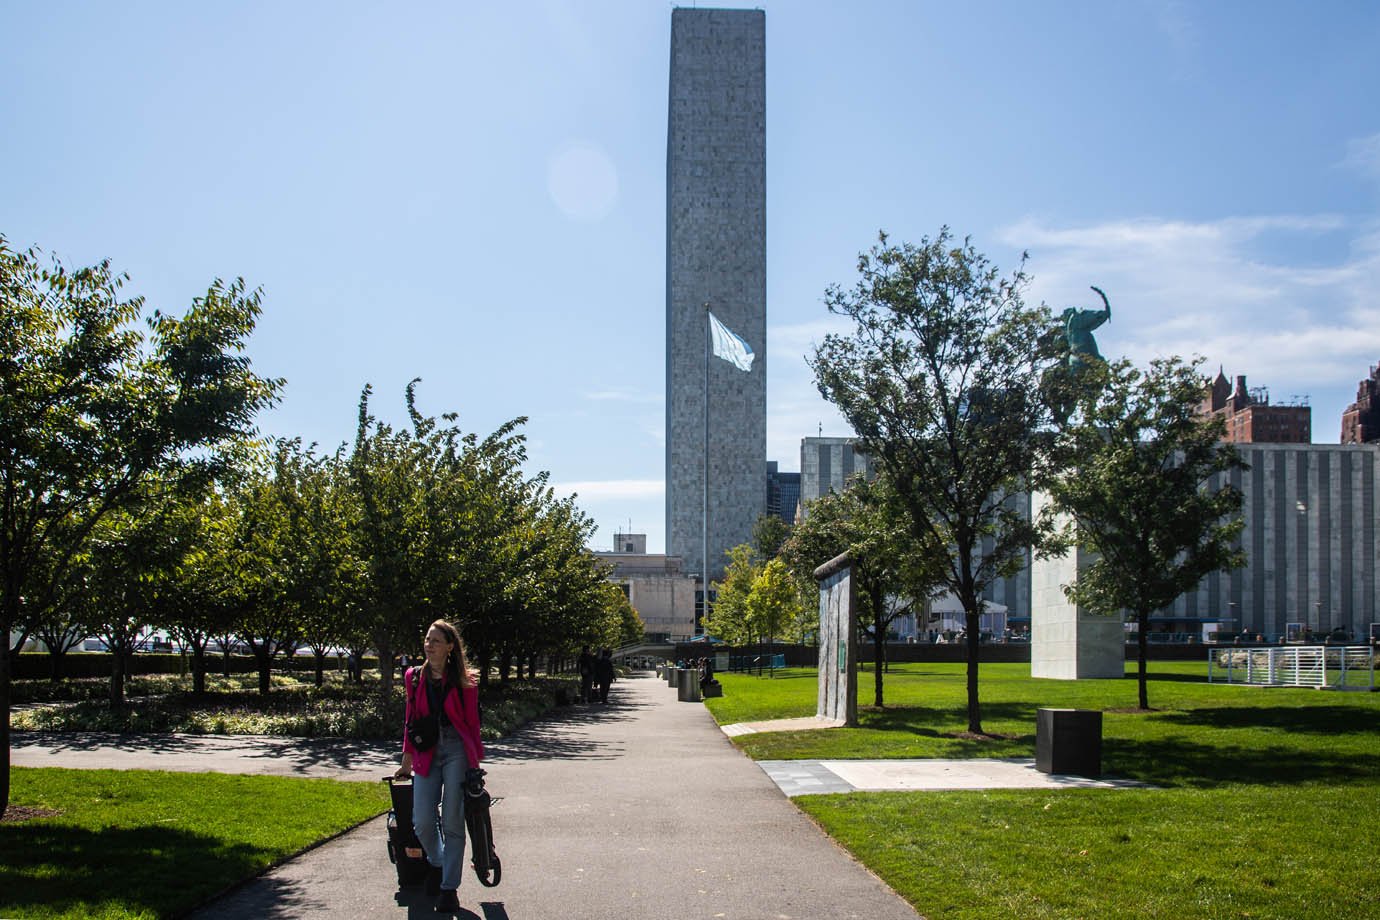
(457, 664)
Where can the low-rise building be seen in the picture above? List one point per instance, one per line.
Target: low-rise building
(661, 593)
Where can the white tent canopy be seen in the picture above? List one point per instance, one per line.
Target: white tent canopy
(947, 616)
(948, 604)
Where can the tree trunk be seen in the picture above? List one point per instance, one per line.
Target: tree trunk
(878, 646)
(264, 661)
(198, 669)
(320, 668)
(385, 650)
(974, 650)
(117, 679)
(879, 665)
(505, 666)
(9, 616)
(485, 659)
(1142, 648)
(55, 660)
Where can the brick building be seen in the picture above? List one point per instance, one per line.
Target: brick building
(1250, 417)
(1361, 420)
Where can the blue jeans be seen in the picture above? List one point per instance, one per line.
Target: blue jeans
(443, 840)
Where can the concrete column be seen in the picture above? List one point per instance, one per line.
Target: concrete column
(1068, 642)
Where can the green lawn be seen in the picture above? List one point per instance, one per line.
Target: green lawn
(139, 843)
(1266, 806)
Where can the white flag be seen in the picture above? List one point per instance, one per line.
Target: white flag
(729, 346)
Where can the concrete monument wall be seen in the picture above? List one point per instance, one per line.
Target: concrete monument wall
(838, 634)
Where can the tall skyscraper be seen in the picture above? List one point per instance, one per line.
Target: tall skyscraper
(716, 253)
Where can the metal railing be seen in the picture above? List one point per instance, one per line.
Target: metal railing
(1325, 667)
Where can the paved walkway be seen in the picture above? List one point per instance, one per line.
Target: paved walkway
(819, 777)
(816, 777)
(335, 758)
(640, 809)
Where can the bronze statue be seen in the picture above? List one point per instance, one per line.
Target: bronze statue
(1078, 328)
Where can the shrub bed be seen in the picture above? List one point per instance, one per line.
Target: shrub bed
(294, 707)
(39, 665)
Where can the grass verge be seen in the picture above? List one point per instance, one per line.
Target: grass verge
(1235, 852)
(1265, 806)
(140, 843)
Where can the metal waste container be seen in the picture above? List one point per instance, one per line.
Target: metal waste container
(688, 686)
(1068, 741)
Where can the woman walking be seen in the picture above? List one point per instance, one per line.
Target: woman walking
(446, 688)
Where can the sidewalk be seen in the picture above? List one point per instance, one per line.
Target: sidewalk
(640, 809)
(334, 758)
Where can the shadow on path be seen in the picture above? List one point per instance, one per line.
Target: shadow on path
(96, 741)
(550, 737)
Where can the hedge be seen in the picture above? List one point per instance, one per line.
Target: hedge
(37, 665)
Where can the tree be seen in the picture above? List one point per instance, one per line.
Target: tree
(941, 380)
(768, 535)
(771, 602)
(330, 570)
(386, 471)
(60, 631)
(1145, 484)
(892, 568)
(265, 554)
(728, 616)
(90, 404)
(125, 581)
(195, 607)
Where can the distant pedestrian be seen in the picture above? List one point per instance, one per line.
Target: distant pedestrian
(586, 675)
(603, 674)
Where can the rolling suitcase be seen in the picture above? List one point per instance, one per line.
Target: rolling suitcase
(404, 849)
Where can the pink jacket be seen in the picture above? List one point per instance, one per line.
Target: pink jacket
(462, 705)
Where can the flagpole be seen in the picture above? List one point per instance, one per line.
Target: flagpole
(704, 521)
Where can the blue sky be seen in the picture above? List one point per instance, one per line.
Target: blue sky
(474, 193)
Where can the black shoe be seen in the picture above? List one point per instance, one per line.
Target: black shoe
(433, 881)
(448, 902)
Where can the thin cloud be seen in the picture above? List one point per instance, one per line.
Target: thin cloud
(1219, 290)
(1363, 155)
(615, 394)
(605, 489)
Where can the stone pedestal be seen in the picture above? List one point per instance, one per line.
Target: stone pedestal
(1068, 642)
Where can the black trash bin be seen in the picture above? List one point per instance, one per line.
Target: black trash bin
(1068, 741)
